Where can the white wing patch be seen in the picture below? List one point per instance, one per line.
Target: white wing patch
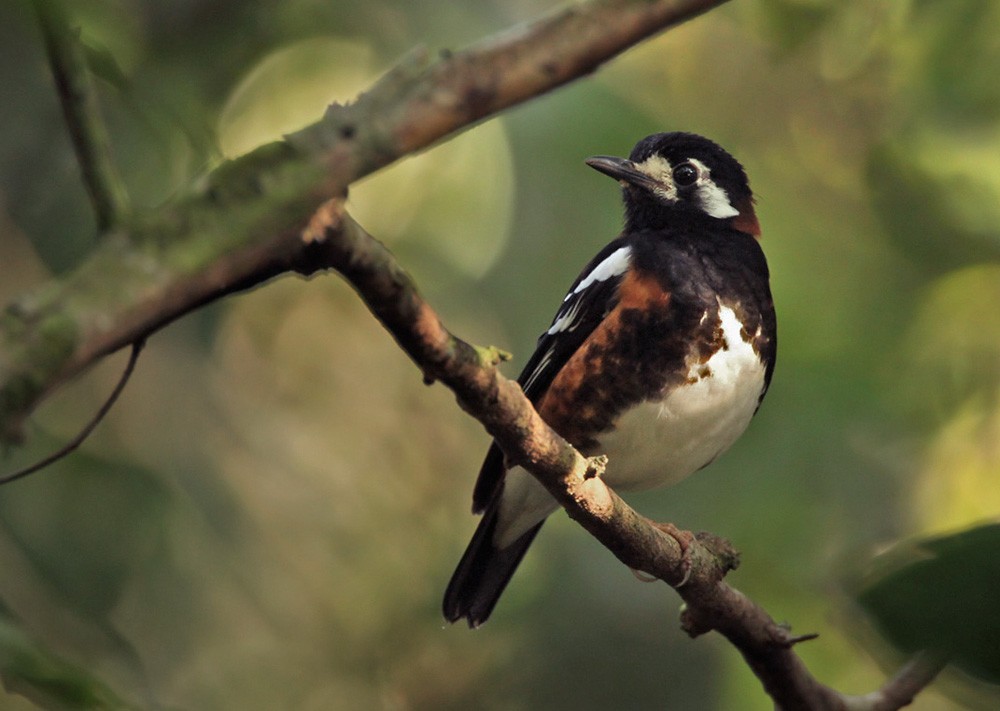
(713, 200)
(615, 264)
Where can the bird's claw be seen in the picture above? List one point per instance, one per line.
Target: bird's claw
(684, 540)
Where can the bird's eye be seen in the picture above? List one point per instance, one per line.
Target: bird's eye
(685, 174)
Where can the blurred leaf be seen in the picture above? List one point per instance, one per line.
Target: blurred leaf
(103, 64)
(957, 481)
(113, 515)
(424, 205)
(791, 24)
(151, 111)
(29, 669)
(426, 202)
(938, 197)
(940, 595)
(854, 37)
(951, 350)
(291, 87)
(953, 49)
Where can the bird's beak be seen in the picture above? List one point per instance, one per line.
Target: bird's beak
(624, 171)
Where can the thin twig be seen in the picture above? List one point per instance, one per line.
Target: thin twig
(901, 689)
(80, 109)
(74, 443)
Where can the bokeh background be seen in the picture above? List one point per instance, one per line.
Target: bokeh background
(268, 517)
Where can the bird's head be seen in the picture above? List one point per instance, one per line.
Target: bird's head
(669, 175)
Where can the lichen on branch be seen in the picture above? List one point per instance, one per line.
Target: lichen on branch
(237, 227)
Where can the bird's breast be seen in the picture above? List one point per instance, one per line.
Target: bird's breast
(679, 430)
(666, 436)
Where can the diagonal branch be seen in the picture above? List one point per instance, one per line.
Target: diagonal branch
(423, 100)
(232, 230)
(334, 240)
(79, 104)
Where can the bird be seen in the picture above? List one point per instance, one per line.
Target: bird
(658, 357)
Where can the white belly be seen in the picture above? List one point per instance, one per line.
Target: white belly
(663, 441)
(660, 442)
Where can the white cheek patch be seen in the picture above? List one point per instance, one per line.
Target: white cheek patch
(659, 169)
(712, 199)
(656, 166)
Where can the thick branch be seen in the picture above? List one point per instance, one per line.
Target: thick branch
(232, 230)
(83, 119)
(423, 99)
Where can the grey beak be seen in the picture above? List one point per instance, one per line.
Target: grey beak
(623, 170)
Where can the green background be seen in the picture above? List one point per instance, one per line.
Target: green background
(268, 517)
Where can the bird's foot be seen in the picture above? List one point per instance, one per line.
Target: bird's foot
(684, 540)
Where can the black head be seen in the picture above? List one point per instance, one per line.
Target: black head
(671, 175)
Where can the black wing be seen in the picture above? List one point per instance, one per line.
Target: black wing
(588, 301)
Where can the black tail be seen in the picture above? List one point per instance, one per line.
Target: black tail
(484, 571)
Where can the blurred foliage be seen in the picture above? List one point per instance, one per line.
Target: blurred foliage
(939, 595)
(269, 515)
(50, 682)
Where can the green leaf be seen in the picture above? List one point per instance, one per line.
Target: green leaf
(103, 64)
(937, 198)
(941, 595)
(29, 669)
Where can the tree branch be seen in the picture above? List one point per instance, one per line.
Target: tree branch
(422, 100)
(82, 114)
(238, 226)
(256, 217)
(903, 688)
(334, 240)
